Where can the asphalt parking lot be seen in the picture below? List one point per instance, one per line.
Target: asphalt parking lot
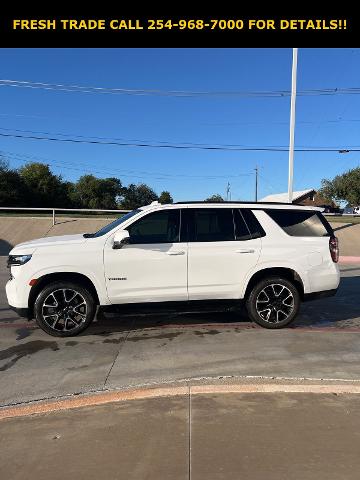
(139, 350)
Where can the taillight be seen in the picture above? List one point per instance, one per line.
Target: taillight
(334, 249)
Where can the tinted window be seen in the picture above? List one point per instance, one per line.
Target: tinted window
(114, 224)
(252, 223)
(211, 225)
(301, 223)
(241, 230)
(157, 227)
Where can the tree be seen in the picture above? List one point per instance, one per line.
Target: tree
(34, 185)
(136, 196)
(215, 199)
(13, 192)
(165, 197)
(43, 187)
(92, 192)
(343, 187)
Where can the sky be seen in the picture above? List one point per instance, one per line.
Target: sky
(189, 174)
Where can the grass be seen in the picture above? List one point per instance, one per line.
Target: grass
(341, 219)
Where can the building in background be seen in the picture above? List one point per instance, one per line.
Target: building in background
(308, 197)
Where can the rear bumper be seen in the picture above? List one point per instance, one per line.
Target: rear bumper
(317, 295)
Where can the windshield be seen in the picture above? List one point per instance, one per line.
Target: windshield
(112, 225)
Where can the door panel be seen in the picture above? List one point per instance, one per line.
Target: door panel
(217, 270)
(221, 252)
(146, 273)
(153, 266)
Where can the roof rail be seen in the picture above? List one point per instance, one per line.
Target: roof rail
(203, 202)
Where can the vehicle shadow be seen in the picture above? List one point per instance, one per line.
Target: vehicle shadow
(340, 311)
(107, 324)
(5, 247)
(347, 225)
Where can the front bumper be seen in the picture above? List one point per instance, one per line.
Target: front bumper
(17, 293)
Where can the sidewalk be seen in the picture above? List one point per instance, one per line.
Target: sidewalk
(248, 436)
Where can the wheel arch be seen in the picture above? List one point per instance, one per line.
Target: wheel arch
(75, 277)
(284, 272)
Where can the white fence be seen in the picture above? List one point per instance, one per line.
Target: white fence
(54, 210)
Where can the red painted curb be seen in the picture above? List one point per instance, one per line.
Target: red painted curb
(344, 260)
(103, 398)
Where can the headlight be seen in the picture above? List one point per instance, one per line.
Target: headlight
(17, 260)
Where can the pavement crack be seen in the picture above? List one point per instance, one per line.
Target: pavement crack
(118, 352)
(189, 428)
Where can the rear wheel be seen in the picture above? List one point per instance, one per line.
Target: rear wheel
(64, 309)
(273, 303)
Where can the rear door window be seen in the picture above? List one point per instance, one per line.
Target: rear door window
(210, 225)
(301, 223)
(242, 231)
(252, 224)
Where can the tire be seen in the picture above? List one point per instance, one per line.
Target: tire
(64, 309)
(273, 302)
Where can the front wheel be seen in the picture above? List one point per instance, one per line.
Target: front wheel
(64, 309)
(273, 302)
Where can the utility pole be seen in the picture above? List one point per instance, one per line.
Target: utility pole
(227, 191)
(292, 125)
(256, 182)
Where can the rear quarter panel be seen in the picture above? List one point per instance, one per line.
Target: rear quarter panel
(309, 257)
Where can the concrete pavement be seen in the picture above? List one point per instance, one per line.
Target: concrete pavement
(201, 432)
(120, 351)
(19, 229)
(205, 436)
(348, 235)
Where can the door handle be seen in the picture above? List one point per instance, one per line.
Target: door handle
(176, 252)
(245, 250)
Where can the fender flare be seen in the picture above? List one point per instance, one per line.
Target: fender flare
(59, 269)
(267, 266)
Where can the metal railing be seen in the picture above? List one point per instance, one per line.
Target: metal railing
(54, 210)
(98, 210)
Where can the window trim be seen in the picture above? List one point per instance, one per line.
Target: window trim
(246, 225)
(261, 228)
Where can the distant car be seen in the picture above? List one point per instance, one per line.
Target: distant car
(356, 211)
(348, 210)
(330, 209)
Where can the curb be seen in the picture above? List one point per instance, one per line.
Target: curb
(344, 260)
(143, 394)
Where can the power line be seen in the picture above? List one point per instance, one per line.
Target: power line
(156, 143)
(229, 148)
(135, 174)
(206, 124)
(302, 122)
(115, 139)
(174, 93)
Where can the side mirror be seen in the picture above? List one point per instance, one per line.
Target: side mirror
(121, 238)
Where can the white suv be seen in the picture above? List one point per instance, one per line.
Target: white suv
(271, 256)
